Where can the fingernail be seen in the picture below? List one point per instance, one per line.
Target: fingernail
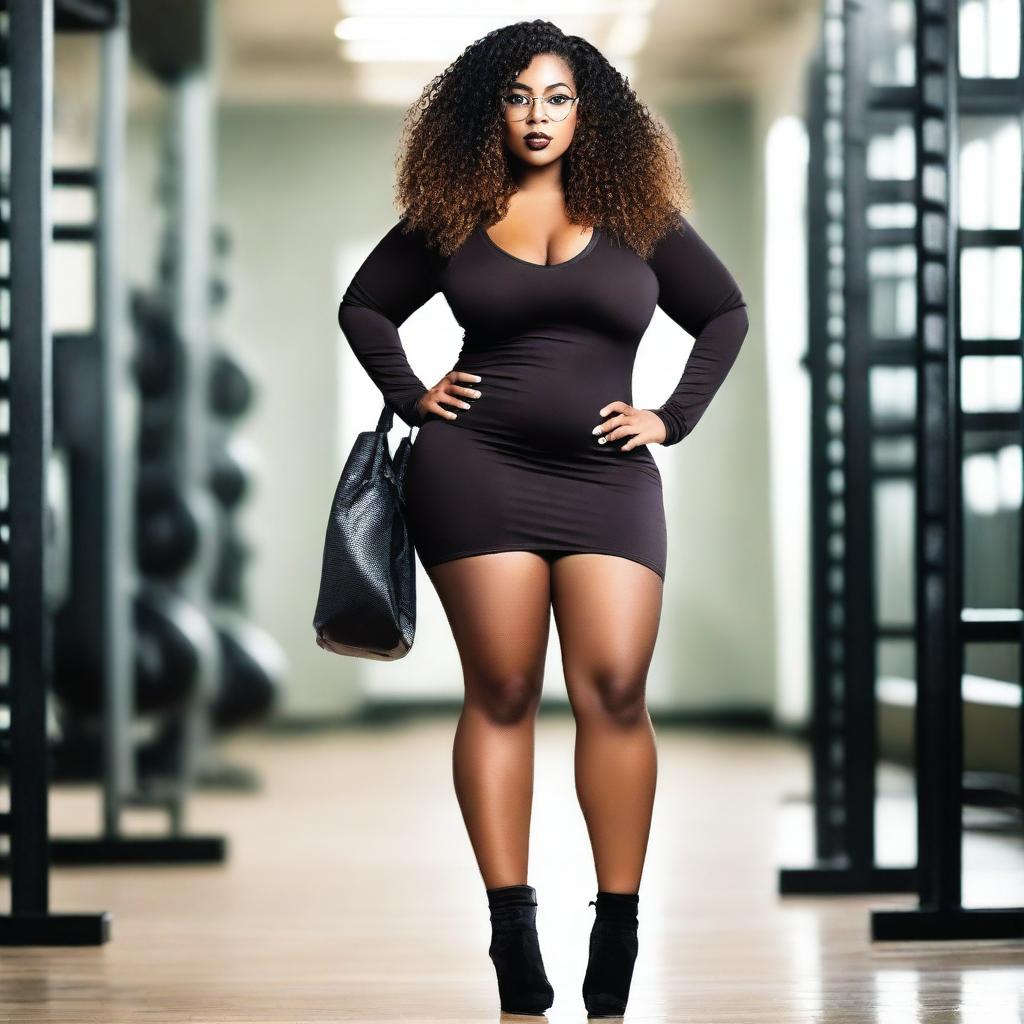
(601, 413)
(479, 378)
(596, 430)
(601, 440)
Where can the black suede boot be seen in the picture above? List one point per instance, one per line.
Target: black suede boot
(613, 949)
(523, 986)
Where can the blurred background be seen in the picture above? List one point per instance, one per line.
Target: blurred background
(303, 131)
(842, 617)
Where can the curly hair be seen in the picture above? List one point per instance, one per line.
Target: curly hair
(621, 171)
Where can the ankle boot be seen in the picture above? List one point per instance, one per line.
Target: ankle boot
(613, 950)
(523, 986)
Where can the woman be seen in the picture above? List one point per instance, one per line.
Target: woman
(545, 202)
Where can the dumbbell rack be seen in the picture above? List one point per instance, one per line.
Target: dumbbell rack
(25, 531)
(115, 576)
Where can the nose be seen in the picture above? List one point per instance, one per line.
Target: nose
(533, 118)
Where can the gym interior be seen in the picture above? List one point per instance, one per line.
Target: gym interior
(205, 815)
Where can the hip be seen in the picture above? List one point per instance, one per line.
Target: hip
(466, 449)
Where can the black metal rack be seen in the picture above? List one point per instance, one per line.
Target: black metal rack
(24, 527)
(863, 226)
(844, 625)
(945, 624)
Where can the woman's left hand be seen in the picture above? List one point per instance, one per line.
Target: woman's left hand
(645, 425)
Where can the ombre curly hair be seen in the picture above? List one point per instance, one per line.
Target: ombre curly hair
(621, 171)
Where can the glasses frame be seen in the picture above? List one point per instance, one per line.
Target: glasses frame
(529, 110)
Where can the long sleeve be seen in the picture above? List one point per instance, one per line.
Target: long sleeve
(398, 276)
(698, 293)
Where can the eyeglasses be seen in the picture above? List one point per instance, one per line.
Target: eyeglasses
(516, 106)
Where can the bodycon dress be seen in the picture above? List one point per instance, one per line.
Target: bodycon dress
(521, 469)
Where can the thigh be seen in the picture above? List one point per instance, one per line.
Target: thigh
(607, 611)
(499, 609)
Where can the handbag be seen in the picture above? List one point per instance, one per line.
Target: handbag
(366, 606)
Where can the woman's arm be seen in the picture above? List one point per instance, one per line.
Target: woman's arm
(699, 294)
(398, 277)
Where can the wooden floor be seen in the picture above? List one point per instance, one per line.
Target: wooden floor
(350, 894)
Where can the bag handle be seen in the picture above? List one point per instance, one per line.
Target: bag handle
(387, 418)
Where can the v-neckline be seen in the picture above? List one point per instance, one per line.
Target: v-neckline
(585, 251)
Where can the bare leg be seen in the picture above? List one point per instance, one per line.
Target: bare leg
(607, 611)
(498, 606)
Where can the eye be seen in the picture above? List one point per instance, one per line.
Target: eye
(559, 96)
(512, 97)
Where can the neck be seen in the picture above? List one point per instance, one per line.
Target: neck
(539, 179)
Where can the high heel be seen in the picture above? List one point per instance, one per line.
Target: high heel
(523, 985)
(613, 950)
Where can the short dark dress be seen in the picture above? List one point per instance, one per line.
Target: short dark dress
(554, 344)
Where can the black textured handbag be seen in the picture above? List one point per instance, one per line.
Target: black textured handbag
(366, 606)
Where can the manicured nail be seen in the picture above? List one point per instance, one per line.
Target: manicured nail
(601, 413)
(601, 440)
(596, 430)
(478, 378)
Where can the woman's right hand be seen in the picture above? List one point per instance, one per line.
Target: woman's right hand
(448, 391)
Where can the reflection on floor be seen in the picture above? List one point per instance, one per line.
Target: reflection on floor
(351, 894)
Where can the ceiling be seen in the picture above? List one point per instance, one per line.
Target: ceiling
(271, 52)
(266, 51)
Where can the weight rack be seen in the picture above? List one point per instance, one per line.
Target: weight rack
(27, 628)
(843, 741)
(945, 625)
(859, 232)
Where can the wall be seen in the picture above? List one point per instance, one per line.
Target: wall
(717, 642)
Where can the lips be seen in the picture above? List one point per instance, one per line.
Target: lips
(536, 136)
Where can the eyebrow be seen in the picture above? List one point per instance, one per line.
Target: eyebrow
(523, 85)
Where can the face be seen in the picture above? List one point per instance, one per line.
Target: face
(548, 76)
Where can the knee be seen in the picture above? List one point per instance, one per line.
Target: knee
(507, 698)
(621, 699)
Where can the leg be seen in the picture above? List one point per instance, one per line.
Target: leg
(499, 609)
(607, 611)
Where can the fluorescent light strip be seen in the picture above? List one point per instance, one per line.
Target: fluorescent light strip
(426, 29)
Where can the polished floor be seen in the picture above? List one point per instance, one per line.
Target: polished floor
(350, 894)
